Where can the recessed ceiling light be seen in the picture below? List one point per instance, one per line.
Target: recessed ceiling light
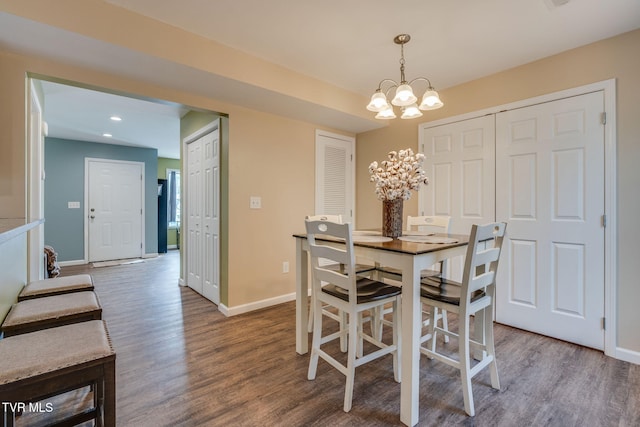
(107, 135)
(116, 118)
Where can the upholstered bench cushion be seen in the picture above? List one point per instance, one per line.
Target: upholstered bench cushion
(40, 313)
(36, 353)
(56, 286)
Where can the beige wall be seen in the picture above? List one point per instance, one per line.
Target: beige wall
(268, 156)
(618, 58)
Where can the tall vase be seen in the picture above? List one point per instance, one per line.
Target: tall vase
(392, 218)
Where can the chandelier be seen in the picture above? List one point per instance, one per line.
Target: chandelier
(404, 98)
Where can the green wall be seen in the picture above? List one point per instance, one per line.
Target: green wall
(64, 165)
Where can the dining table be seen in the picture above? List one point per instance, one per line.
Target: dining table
(410, 254)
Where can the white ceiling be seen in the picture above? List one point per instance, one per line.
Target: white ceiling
(347, 43)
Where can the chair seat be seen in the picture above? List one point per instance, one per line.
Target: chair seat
(56, 286)
(368, 290)
(48, 312)
(445, 290)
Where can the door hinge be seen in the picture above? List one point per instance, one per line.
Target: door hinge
(603, 118)
(141, 211)
(604, 221)
(604, 323)
(352, 157)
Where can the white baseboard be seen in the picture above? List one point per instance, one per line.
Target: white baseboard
(245, 308)
(627, 355)
(181, 282)
(73, 262)
(172, 246)
(151, 255)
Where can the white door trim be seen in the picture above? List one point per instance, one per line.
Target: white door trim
(610, 204)
(86, 201)
(35, 135)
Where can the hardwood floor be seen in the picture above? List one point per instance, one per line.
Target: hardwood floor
(180, 362)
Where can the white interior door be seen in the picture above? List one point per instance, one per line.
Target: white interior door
(203, 212)
(335, 175)
(550, 190)
(114, 209)
(211, 216)
(194, 216)
(459, 160)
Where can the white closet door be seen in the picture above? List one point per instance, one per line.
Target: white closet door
(211, 216)
(194, 216)
(550, 190)
(459, 161)
(203, 212)
(334, 175)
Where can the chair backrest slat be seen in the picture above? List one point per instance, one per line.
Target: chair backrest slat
(481, 262)
(436, 224)
(321, 251)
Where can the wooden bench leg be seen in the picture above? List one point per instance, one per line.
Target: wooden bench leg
(109, 406)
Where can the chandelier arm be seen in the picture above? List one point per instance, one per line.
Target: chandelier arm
(395, 84)
(422, 79)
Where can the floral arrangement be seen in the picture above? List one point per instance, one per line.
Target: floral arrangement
(397, 177)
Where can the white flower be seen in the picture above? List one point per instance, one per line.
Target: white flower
(397, 177)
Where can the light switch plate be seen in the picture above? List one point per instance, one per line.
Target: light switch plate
(255, 202)
(73, 205)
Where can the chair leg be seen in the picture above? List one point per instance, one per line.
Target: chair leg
(491, 351)
(351, 363)
(315, 342)
(465, 366)
(310, 321)
(445, 324)
(343, 331)
(360, 351)
(396, 340)
(432, 328)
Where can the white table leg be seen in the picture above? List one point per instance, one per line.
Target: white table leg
(302, 302)
(410, 345)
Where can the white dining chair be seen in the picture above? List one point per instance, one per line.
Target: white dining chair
(360, 269)
(352, 295)
(475, 295)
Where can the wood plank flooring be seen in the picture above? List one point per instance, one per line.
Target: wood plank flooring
(180, 362)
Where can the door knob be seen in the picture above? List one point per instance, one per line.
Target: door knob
(92, 210)
(92, 216)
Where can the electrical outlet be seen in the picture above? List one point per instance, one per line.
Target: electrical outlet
(255, 202)
(285, 267)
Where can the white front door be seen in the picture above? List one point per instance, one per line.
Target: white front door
(203, 212)
(459, 161)
(114, 209)
(550, 191)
